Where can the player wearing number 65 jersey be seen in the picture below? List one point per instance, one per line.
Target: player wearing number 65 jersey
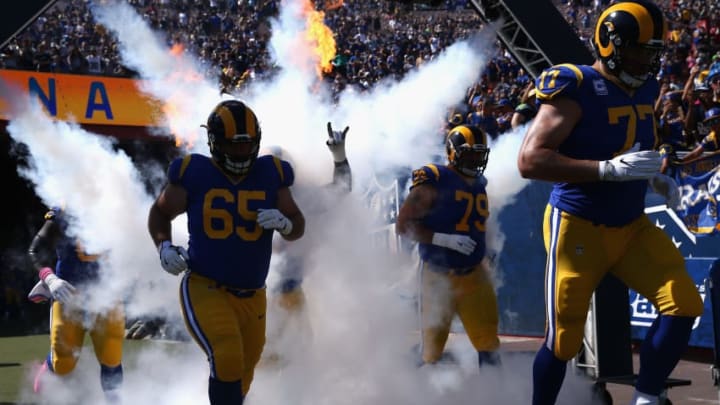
(234, 202)
(445, 212)
(593, 137)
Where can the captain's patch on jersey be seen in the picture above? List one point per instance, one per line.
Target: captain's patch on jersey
(600, 87)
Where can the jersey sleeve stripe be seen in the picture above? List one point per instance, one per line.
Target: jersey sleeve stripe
(278, 166)
(184, 165)
(576, 70)
(548, 96)
(435, 171)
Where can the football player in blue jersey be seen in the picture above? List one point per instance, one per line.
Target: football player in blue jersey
(66, 271)
(288, 320)
(287, 297)
(446, 213)
(234, 201)
(594, 137)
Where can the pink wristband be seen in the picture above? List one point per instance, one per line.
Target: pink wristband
(44, 272)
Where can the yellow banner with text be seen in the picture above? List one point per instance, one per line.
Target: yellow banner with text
(84, 99)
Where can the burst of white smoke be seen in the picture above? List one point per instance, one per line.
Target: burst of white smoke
(100, 191)
(504, 183)
(175, 79)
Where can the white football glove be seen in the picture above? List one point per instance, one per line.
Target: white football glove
(60, 289)
(461, 243)
(632, 165)
(173, 258)
(668, 188)
(274, 219)
(39, 293)
(336, 143)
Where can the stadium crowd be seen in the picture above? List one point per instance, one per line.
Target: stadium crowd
(375, 39)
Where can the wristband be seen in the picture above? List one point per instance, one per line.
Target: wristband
(45, 272)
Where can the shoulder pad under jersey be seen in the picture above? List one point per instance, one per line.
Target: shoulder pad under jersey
(428, 174)
(285, 171)
(558, 81)
(177, 168)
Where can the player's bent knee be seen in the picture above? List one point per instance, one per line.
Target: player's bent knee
(431, 353)
(228, 367)
(690, 305)
(566, 354)
(63, 366)
(488, 342)
(568, 348)
(681, 299)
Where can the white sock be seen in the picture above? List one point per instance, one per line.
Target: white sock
(640, 398)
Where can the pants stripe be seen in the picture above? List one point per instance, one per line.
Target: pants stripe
(420, 268)
(551, 275)
(193, 323)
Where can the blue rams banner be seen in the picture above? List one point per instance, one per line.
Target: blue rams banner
(699, 184)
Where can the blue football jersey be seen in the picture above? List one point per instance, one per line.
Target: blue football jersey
(226, 243)
(460, 208)
(73, 265)
(612, 122)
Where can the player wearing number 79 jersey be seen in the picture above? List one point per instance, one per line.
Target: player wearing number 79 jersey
(594, 136)
(445, 212)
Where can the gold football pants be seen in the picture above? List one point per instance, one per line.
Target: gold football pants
(67, 333)
(227, 324)
(469, 295)
(580, 254)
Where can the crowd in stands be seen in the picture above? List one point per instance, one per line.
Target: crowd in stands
(375, 39)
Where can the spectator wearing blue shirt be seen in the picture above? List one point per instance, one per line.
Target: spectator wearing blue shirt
(484, 118)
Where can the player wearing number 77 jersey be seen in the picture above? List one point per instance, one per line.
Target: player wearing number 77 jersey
(445, 212)
(594, 136)
(234, 201)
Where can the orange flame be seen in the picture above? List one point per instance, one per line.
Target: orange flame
(177, 49)
(321, 38)
(175, 105)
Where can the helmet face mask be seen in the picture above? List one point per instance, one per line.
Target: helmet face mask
(629, 39)
(467, 150)
(233, 137)
(236, 157)
(639, 63)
